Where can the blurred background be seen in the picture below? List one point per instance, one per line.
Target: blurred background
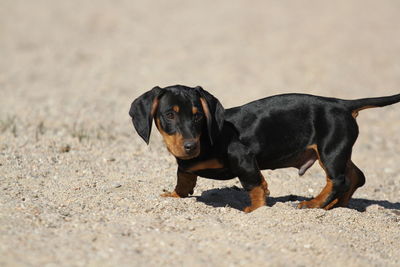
(102, 52)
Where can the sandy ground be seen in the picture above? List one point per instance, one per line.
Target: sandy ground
(78, 187)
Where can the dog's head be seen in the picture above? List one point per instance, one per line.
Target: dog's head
(182, 115)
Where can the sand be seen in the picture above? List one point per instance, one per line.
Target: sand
(78, 187)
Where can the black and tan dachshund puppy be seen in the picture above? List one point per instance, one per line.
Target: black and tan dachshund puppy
(290, 130)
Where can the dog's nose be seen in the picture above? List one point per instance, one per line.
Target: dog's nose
(189, 146)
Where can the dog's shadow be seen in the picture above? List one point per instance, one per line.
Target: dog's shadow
(238, 198)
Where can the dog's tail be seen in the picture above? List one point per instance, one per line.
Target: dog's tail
(359, 104)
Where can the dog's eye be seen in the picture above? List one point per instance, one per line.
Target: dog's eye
(197, 117)
(170, 115)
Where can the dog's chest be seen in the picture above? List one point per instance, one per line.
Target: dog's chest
(208, 168)
(216, 174)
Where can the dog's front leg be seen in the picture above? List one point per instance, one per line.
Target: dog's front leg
(184, 186)
(244, 164)
(257, 193)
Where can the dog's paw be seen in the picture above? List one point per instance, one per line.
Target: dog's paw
(314, 204)
(170, 194)
(249, 209)
(308, 205)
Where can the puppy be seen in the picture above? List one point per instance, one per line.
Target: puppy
(290, 130)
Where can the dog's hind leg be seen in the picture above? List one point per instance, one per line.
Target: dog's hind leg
(336, 184)
(356, 178)
(334, 153)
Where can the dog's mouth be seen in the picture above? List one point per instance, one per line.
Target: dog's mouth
(190, 155)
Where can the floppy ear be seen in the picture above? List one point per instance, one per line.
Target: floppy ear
(214, 112)
(142, 112)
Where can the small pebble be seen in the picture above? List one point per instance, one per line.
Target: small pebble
(116, 185)
(65, 149)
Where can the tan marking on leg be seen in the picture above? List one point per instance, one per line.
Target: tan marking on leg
(184, 186)
(170, 194)
(319, 200)
(257, 196)
(195, 110)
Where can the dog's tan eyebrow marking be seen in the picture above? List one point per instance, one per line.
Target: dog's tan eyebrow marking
(175, 108)
(195, 110)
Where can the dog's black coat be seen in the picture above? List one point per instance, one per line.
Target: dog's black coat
(269, 133)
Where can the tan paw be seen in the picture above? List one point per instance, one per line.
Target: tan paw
(170, 194)
(311, 204)
(249, 209)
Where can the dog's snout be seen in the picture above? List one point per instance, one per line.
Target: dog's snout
(189, 146)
